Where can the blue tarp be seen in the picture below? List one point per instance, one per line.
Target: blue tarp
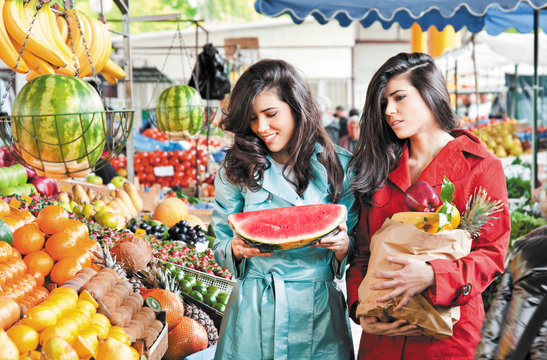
(476, 15)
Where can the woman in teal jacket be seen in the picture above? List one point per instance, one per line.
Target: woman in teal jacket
(285, 304)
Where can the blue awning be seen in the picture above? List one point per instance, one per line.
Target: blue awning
(476, 15)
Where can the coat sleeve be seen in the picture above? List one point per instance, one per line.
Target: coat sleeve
(228, 200)
(359, 263)
(456, 282)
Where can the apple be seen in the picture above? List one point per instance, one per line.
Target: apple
(422, 197)
(94, 179)
(122, 172)
(118, 181)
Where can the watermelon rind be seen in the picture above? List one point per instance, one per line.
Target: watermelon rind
(180, 111)
(58, 118)
(290, 220)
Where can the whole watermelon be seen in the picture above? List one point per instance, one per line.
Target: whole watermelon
(179, 109)
(58, 138)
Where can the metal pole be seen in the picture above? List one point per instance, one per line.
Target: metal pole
(456, 83)
(515, 114)
(130, 150)
(534, 183)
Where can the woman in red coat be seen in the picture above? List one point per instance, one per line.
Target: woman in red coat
(407, 135)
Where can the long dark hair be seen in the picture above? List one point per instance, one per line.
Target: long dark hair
(246, 160)
(378, 148)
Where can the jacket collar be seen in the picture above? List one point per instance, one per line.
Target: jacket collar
(274, 182)
(451, 161)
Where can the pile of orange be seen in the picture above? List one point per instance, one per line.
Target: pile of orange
(68, 244)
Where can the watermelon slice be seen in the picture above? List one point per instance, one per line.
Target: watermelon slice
(288, 227)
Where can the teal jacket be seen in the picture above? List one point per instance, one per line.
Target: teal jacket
(285, 306)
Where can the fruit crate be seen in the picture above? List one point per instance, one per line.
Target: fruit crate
(159, 347)
(222, 284)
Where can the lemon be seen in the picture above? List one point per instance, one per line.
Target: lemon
(56, 331)
(84, 295)
(24, 337)
(86, 307)
(40, 317)
(119, 334)
(86, 345)
(71, 293)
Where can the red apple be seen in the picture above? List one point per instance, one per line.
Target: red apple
(422, 197)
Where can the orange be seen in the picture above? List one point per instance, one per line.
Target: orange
(28, 238)
(455, 216)
(77, 226)
(25, 215)
(83, 255)
(39, 261)
(24, 337)
(13, 222)
(40, 279)
(65, 270)
(51, 219)
(4, 208)
(6, 251)
(62, 244)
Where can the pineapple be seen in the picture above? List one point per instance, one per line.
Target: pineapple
(478, 212)
(194, 312)
(104, 259)
(158, 277)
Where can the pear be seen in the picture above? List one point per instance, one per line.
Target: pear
(57, 348)
(110, 349)
(8, 350)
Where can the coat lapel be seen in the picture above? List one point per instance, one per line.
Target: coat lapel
(277, 185)
(450, 162)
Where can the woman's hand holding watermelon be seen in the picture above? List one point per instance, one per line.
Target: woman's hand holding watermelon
(241, 250)
(339, 243)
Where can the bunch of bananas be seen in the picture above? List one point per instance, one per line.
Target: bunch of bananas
(67, 43)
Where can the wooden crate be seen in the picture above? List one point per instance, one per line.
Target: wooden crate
(159, 347)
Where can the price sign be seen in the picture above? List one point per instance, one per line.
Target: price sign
(140, 233)
(14, 203)
(163, 171)
(26, 198)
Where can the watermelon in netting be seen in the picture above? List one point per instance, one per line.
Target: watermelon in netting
(69, 125)
(288, 227)
(179, 111)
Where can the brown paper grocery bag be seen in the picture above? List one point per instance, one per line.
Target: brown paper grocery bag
(404, 240)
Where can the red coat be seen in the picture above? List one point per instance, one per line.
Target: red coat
(468, 165)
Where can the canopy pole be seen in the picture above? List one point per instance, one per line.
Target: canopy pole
(456, 83)
(534, 182)
(514, 108)
(476, 78)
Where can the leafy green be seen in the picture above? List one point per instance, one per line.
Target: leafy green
(522, 224)
(518, 161)
(447, 191)
(191, 199)
(517, 187)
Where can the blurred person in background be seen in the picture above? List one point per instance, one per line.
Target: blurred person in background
(330, 123)
(349, 142)
(342, 115)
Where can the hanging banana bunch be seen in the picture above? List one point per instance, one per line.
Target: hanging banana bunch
(35, 40)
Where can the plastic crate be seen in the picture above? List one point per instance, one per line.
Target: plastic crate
(224, 285)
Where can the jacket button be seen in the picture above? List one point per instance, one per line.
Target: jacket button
(466, 289)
